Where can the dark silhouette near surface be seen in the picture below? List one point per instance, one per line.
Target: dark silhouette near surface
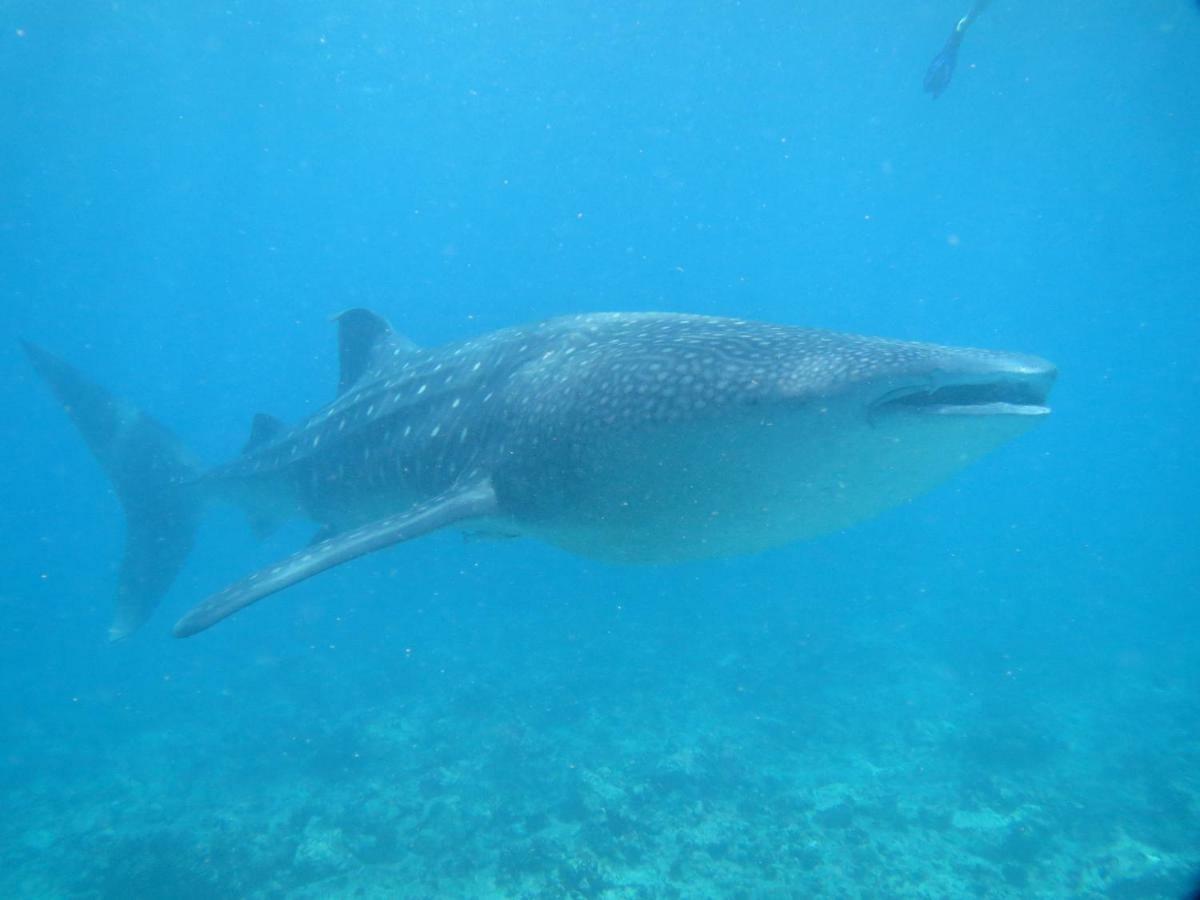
(941, 69)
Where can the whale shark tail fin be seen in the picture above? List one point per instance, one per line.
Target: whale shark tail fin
(156, 479)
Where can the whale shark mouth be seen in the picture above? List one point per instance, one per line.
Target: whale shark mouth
(1005, 395)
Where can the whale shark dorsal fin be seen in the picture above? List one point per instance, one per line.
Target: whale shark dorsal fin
(264, 429)
(365, 339)
(474, 501)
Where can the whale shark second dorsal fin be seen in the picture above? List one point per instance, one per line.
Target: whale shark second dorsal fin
(264, 429)
(364, 339)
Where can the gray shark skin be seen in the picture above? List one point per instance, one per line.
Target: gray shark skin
(628, 437)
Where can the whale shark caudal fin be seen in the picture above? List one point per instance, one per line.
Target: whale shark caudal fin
(472, 501)
(156, 480)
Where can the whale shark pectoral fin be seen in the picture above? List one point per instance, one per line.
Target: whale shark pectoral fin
(469, 502)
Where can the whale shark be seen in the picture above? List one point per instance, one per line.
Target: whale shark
(626, 437)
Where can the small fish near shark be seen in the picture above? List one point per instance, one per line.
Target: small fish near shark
(629, 437)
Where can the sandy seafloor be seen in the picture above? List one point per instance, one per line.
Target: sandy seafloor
(783, 758)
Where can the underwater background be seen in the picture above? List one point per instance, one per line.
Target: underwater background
(993, 691)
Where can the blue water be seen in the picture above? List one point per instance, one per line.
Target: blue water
(991, 692)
